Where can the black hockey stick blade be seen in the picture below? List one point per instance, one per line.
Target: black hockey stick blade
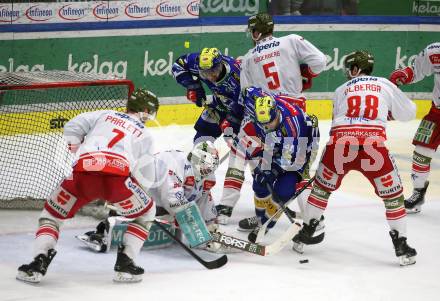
(214, 264)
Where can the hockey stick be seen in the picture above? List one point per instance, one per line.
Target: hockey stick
(215, 264)
(223, 159)
(255, 248)
(262, 230)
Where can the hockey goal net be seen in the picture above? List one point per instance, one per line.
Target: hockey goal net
(34, 106)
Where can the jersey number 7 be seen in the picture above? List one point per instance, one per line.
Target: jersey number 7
(274, 82)
(119, 135)
(354, 106)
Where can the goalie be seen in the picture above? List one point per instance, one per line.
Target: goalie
(107, 145)
(180, 185)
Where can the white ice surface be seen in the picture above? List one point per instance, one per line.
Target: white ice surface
(356, 261)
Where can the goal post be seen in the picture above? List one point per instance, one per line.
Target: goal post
(34, 106)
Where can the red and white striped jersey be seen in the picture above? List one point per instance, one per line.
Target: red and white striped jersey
(274, 64)
(425, 64)
(111, 141)
(363, 104)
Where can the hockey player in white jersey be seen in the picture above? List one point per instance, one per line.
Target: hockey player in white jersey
(180, 180)
(360, 111)
(427, 137)
(284, 66)
(107, 145)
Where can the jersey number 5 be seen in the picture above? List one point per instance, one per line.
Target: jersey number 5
(274, 82)
(354, 106)
(119, 135)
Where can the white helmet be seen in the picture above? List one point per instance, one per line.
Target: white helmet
(204, 159)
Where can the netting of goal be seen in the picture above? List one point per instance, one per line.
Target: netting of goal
(34, 106)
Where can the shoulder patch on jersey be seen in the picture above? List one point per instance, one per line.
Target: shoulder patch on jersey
(435, 58)
(189, 181)
(208, 184)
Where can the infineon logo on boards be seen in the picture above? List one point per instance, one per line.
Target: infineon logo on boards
(71, 13)
(39, 13)
(193, 8)
(137, 11)
(104, 11)
(167, 10)
(7, 14)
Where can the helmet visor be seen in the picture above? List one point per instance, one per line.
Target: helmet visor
(212, 74)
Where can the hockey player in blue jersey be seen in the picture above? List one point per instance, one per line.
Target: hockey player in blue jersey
(221, 74)
(222, 113)
(287, 137)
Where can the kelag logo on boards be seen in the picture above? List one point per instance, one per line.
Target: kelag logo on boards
(8, 15)
(165, 9)
(71, 13)
(193, 8)
(39, 14)
(134, 10)
(103, 11)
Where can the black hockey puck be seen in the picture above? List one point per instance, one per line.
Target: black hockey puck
(304, 261)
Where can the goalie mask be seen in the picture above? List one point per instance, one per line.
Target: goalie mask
(210, 64)
(141, 100)
(261, 22)
(204, 159)
(361, 59)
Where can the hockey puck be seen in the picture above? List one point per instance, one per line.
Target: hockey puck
(304, 261)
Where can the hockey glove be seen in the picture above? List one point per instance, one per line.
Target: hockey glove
(196, 94)
(307, 75)
(230, 125)
(402, 76)
(264, 177)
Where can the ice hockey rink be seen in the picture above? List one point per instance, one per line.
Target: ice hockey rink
(356, 260)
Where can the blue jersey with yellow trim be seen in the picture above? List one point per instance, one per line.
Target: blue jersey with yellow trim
(226, 92)
(292, 142)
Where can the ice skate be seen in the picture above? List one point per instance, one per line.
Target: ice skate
(94, 241)
(223, 214)
(34, 271)
(125, 268)
(414, 203)
(249, 224)
(308, 235)
(405, 253)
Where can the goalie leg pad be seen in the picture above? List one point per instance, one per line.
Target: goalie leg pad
(192, 225)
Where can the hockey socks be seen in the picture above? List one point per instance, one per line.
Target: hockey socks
(421, 166)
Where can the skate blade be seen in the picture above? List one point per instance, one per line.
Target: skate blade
(244, 230)
(404, 260)
(222, 220)
(25, 277)
(91, 245)
(413, 210)
(121, 277)
(298, 247)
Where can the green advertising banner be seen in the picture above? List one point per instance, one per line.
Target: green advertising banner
(147, 59)
(210, 8)
(399, 8)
